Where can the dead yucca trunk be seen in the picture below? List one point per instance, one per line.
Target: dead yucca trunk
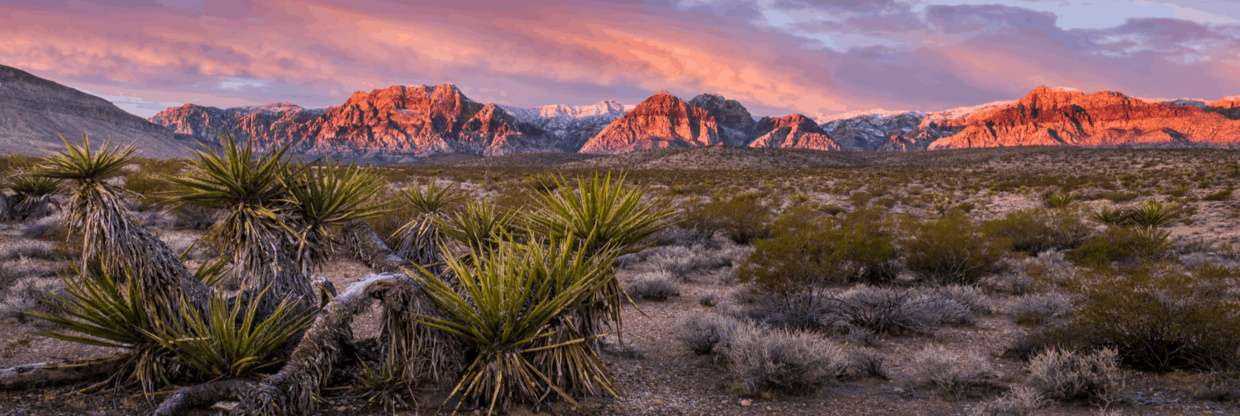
(293, 390)
(368, 247)
(421, 352)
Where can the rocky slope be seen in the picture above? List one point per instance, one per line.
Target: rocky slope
(414, 120)
(1059, 117)
(792, 132)
(35, 113)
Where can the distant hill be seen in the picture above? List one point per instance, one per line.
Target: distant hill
(35, 113)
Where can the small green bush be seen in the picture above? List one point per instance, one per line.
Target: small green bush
(1036, 230)
(743, 218)
(807, 251)
(952, 249)
(1157, 318)
(1126, 246)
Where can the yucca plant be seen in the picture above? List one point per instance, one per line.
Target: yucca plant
(598, 213)
(250, 189)
(419, 238)
(99, 309)
(321, 199)
(477, 227)
(502, 305)
(31, 194)
(230, 339)
(1111, 216)
(1057, 199)
(111, 239)
(1152, 214)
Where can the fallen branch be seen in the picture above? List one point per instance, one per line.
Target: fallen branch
(203, 395)
(58, 373)
(293, 390)
(369, 247)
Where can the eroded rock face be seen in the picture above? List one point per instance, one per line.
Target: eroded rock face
(1060, 117)
(660, 121)
(735, 122)
(35, 113)
(412, 120)
(792, 132)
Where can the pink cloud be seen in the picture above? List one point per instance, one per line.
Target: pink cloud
(526, 53)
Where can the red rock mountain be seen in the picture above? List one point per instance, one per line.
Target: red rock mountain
(398, 120)
(1061, 117)
(661, 121)
(792, 132)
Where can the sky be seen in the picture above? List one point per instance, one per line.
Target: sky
(815, 57)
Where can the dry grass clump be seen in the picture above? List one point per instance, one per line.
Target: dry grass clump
(702, 333)
(952, 372)
(24, 296)
(1066, 375)
(656, 286)
(1038, 309)
(952, 249)
(783, 361)
(1019, 401)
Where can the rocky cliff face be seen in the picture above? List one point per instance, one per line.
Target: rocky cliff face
(659, 122)
(423, 120)
(35, 113)
(1060, 117)
(792, 132)
(402, 120)
(735, 122)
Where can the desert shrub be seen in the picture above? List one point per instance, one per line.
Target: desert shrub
(1125, 246)
(1037, 230)
(657, 286)
(804, 310)
(23, 296)
(147, 188)
(684, 262)
(970, 297)
(783, 361)
(1222, 386)
(39, 249)
(1019, 401)
(1039, 308)
(1156, 319)
(808, 252)
(1220, 195)
(1011, 283)
(1066, 375)
(743, 218)
(952, 372)
(952, 249)
(44, 228)
(1057, 199)
(893, 311)
(702, 333)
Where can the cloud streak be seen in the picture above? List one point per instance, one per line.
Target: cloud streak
(814, 57)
